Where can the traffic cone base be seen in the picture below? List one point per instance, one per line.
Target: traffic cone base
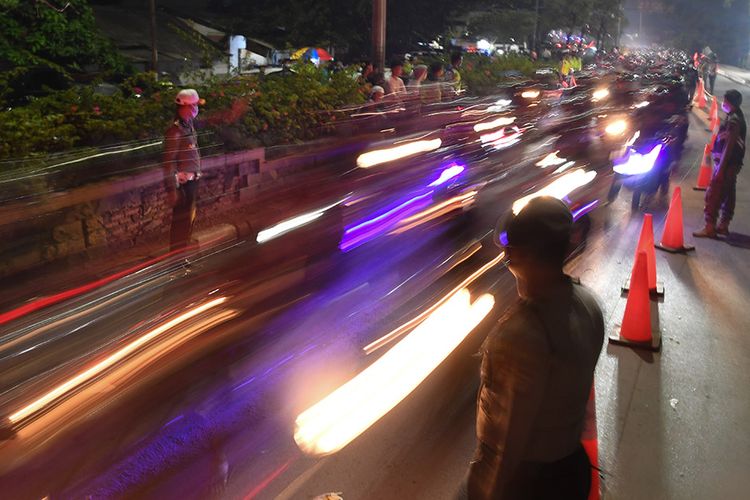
(705, 172)
(673, 237)
(636, 328)
(658, 292)
(684, 249)
(654, 345)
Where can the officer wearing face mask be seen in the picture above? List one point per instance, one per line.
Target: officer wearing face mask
(181, 163)
(728, 154)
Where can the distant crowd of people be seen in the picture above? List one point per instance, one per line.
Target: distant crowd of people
(411, 81)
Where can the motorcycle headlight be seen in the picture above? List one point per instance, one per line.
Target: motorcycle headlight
(616, 128)
(599, 95)
(530, 94)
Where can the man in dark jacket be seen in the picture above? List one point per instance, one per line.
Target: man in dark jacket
(181, 163)
(537, 369)
(728, 154)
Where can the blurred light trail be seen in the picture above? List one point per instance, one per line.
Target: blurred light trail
(43, 302)
(637, 163)
(380, 156)
(551, 160)
(350, 410)
(268, 480)
(641, 104)
(600, 94)
(500, 105)
(503, 138)
(500, 122)
(386, 339)
(447, 174)
(530, 94)
(564, 167)
(365, 230)
(43, 171)
(293, 223)
(438, 210)
(559, 188)
(581, 211)
(632, 140)
(617, 127)
(110, 360)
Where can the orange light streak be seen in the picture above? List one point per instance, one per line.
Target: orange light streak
(350, 410)
(109, 361)
(398, 332)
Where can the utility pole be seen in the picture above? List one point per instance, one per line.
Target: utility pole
(154, 52)
(536, 26)
(619, 29)
(640, 20)
(378, 34)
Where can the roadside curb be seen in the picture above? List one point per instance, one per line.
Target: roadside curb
(735, 79)
(215, 235)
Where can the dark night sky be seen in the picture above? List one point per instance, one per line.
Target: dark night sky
(693, 24)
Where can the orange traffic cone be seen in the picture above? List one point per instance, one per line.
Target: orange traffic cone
(704, 174)
(673, 240)
(713, 115)
(646, 244)
(636, 328)
(590, 442)
(700, 95)
(711, 143)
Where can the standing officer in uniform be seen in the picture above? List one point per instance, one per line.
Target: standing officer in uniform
(182, 168)
(728, 154)
(537, 369)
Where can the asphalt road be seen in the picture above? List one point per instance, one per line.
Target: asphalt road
(206, 405)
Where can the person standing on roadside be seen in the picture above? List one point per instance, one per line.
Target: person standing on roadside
(181, 164)
(452, 75)
(691, 82)
(396, 85)
(419, 75)
(728, 154)
(712, 70)
(431, 92)
(537, 369)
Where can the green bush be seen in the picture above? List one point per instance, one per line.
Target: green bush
(482, 74)
(241, 112)
(252, 110)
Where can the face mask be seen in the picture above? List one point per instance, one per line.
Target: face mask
(726, 107)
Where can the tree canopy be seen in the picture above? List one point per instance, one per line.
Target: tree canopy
(41, 38)
(65, 37)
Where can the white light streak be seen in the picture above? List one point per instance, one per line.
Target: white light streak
(500, 122)
(350, 410)
(559, 188)
(292, 224)
(380, 156)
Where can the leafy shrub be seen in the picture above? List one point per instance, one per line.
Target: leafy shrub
(259, 110)
(482, 74)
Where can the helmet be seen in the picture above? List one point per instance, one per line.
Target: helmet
(186, 97)
(734, 97)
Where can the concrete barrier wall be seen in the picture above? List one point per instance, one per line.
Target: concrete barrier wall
(125, 212)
